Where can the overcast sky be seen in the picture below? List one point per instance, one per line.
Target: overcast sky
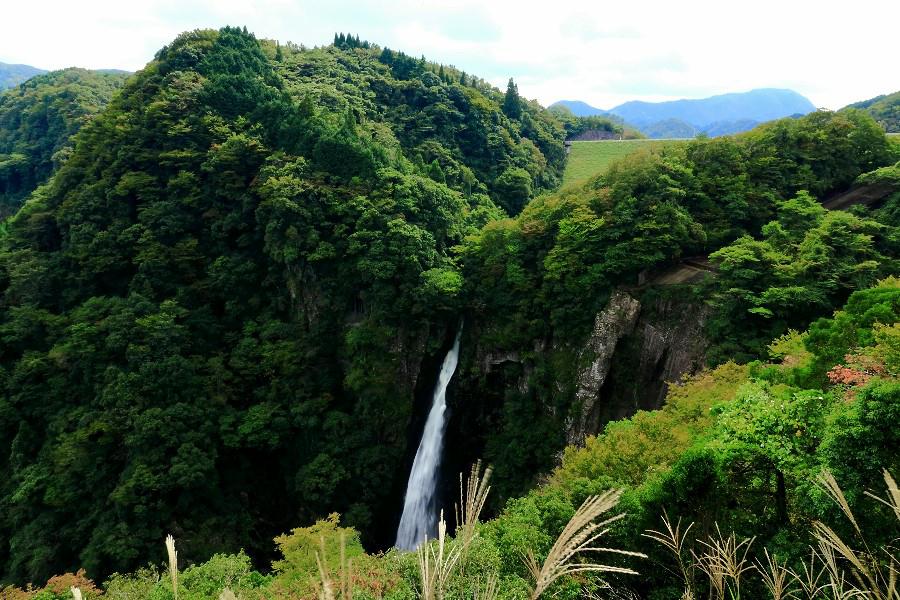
(601, 52)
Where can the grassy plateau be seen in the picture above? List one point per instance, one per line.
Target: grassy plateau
(587, 159)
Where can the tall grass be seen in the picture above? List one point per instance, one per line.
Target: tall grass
(437, 563)
(578, 537)
(472, 498)
(173, 563)
(776, 577)
(441, 560)
(834, 570)
(345, 573)
(874, 572)
(676, 541)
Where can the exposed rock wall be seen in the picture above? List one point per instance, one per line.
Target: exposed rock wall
(641, 340)
(667, 342)
(635, 350)
(616, 320)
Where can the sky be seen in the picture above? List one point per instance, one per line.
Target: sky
(601, 52)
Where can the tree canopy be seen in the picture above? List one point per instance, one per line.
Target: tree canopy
(222, 303)
(211, 311)
(38, 120)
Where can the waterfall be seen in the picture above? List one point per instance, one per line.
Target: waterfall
(419, 511)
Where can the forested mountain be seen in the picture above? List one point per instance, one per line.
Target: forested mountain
(670, 129)
(13, 75)
(215, 315)
(543, 287)
(885, 109)
(717, 115)
(37, 121)
(676, 128)
(223, 315)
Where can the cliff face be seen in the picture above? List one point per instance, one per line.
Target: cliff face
(562, 393)
(637, 349)
(614, 322)
(667, 342)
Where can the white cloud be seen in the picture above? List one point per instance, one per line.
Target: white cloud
(600, 52)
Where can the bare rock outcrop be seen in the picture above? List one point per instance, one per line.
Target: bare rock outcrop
(668, 342)
(616, 320)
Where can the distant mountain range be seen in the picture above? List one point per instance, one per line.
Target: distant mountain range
(717, 115)
(13, 75)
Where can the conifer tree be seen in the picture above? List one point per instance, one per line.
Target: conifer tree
(512, 104)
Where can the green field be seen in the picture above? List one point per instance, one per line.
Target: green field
(587, 159)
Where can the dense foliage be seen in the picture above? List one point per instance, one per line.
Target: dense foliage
(735, 449)
(37, 121)
(806, 263)
(741, 447)
(452, 126)
(213, 315)
(218, 315)
(885, 109)
(655, 207)
(536, 283)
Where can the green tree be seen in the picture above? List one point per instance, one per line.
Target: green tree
(512, 104)
(38, 120)
(513, 189)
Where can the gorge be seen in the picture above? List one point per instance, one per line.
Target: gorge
(229, 308)
(417, 523)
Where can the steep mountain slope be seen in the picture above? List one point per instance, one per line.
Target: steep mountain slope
(885, 109)
(13, 75)
(221, 316)
(37, 121)
(571, 324)
(218, 315)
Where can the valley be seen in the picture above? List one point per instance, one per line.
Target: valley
(272, 300)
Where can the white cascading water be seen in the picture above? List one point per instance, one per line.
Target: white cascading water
(419, 511)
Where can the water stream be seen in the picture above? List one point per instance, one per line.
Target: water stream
(419, 505)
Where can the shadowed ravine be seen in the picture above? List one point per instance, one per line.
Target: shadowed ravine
(419, 511)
